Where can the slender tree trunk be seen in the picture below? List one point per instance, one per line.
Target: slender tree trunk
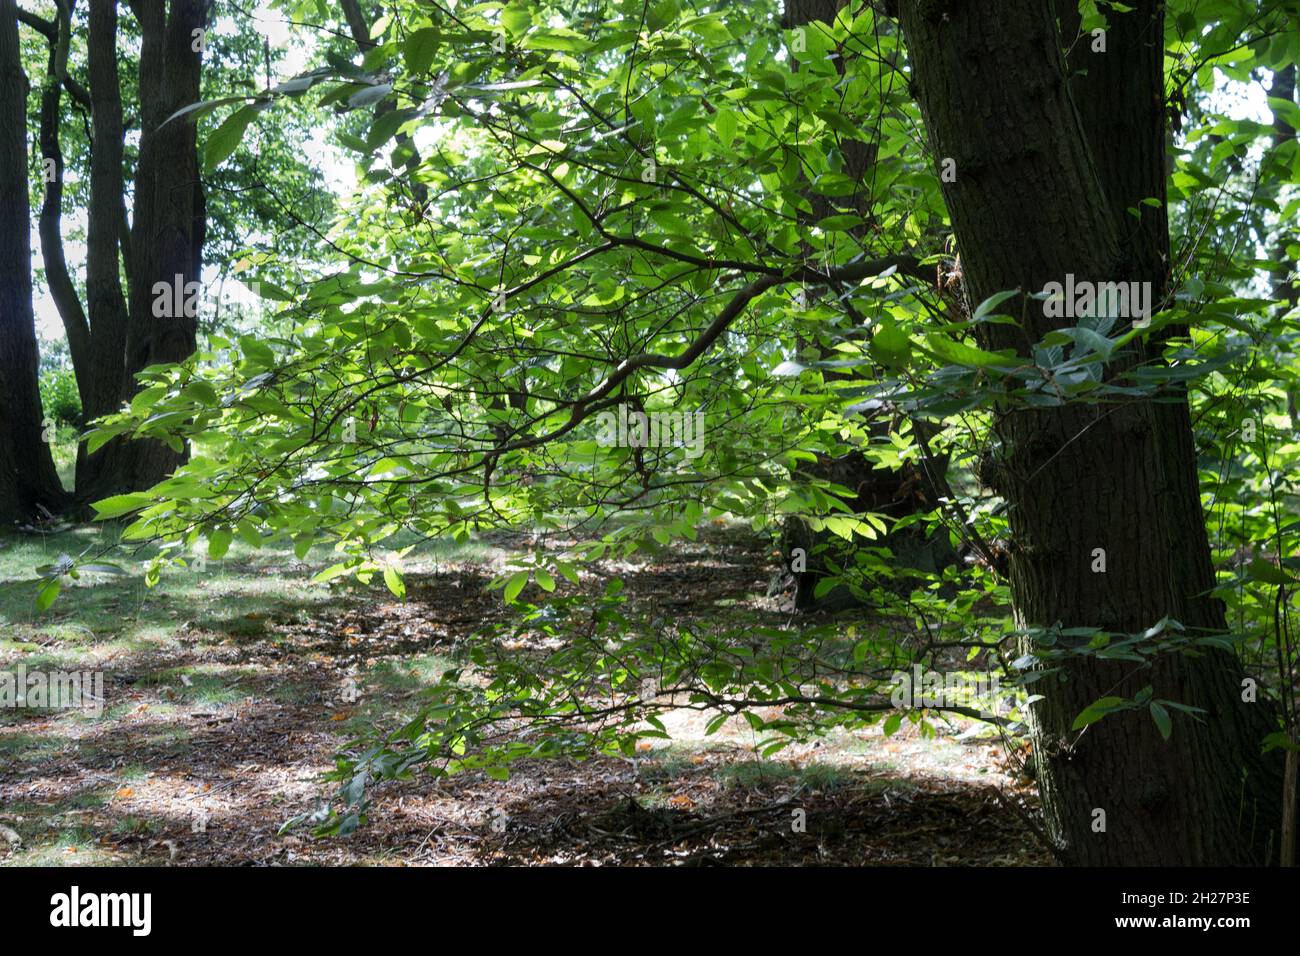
(28, 480)
(1285, 286)
(359, 27)
(1287, 289)
(1046, 170)
(57, 277)
(892, 493)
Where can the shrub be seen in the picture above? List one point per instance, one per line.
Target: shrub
(60, 398)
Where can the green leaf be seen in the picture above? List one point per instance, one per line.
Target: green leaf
(370, 95)
(206, 106)
(725, 125)
(516, 19)
(419, 48)
(219, 543)
(119, 505)
(1097, 710)
(985, 308)
(1267, 572)
(563, 40)
(515, 585)
(1162, 719)
(203, 392)
(959, 353)
(841, 223)
(890, 345)
(225, 138)
(394, 581)
(145, 399)
(48, 592)
(332, 572)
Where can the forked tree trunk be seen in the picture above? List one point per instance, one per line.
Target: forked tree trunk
(1046, 170)
(167, 232)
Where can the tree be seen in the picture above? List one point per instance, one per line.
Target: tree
(1079, 147)
(124, 94)
(913, 489)
(29, 484)
(624, 212)
(167, 226)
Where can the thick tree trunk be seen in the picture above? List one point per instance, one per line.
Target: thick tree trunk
(104, 373)
(1046, 169)
(28, 480)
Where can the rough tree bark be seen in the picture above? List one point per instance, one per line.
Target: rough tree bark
(1048, 162)
(167, 229)
(28, 479)
(103, 374)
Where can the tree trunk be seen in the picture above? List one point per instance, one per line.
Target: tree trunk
(1047, 167)
(104, 373)
(62, 289)
(28, 479)
(1285, 286)
(166, 236)
(405, 151)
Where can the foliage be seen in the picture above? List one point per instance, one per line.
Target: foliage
(621, 218)
(59, 396)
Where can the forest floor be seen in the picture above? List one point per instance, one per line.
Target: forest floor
(225, 702)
